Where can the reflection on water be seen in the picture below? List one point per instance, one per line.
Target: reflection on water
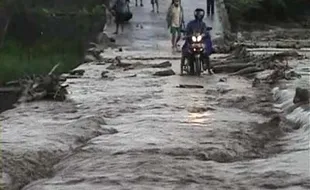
(200, 118)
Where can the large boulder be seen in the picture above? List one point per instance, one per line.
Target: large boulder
(302, 96)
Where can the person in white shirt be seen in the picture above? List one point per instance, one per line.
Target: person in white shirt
(175, 20)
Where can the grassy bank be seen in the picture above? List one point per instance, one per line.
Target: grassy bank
(41, 34)
(247, 13)
(17, 61)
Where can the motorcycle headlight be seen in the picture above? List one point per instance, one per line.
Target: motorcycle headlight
(199, 38)
(194, 39)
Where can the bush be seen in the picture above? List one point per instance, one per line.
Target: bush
(266, 11)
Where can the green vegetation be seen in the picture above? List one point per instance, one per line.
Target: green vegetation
(16, 61)
(43, 33)
(266, 11)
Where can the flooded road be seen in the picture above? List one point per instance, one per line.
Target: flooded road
(134, 130)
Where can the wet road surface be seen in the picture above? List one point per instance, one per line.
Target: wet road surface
(134, 130)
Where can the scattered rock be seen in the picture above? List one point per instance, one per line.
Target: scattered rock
(202, 156)
(305, 69)
(104, 74)
(209, 108)
(224, 90)
(163, 73)
(79, 72)
(256, 82)
(291, 75)
(224, 79)
(123, 64)
(120, 49)
(162, 65)
(128, 68)
(112, 67)
(89, 58)
(302, 96)
(189, 86)
(96, 52)
(112, 40)
(240, 99)
(69, 76)
(130, 76)
(108, 60)
(104, 40)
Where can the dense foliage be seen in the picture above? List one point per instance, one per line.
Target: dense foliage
(267, 11)
(43, 33)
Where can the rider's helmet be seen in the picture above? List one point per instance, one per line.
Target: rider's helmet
(199, 14)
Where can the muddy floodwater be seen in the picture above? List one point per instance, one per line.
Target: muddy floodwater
(134, 130)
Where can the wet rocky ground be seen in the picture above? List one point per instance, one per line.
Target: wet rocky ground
(129, 125)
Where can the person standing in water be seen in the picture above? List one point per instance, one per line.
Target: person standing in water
(175, 20)
(141, 3)
(210, 7)
(120, 9)
(153, 2)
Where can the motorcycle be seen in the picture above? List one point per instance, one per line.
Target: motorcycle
(194, 63)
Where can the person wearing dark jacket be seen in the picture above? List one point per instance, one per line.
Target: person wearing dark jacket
(197, 25)
(121, 11)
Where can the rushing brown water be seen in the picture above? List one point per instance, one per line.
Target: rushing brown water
(134, 130)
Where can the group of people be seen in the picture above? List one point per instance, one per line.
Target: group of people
(176, 24)
(174, 18)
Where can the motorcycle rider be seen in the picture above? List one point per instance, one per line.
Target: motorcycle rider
(197, 25)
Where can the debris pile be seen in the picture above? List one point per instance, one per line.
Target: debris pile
(37, 87)
(242, 63)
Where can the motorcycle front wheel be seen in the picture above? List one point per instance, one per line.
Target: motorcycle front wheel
(197, 65)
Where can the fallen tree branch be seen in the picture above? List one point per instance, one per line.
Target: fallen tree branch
(54, 68)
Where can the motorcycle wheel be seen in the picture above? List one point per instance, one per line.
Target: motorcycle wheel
(181, 69)
(190, 66)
